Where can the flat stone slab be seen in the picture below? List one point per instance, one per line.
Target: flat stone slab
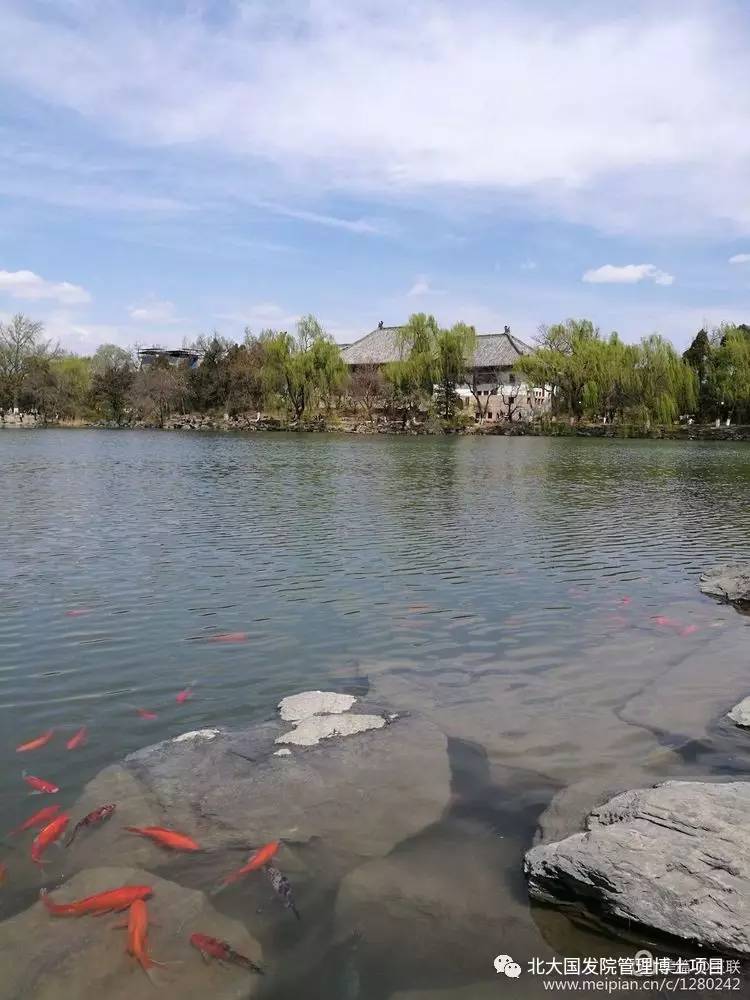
(674, 859)
(730, 583)
(69, 958)
(308, 703)
(740, 714)
(310, 732)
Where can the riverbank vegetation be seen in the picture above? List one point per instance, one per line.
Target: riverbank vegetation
(302, 377)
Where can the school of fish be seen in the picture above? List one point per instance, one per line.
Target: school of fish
(51, 824)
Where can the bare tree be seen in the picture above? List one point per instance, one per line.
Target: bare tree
(366, 387)
(20, 344)
(488, 381)
(510, 402)
(158, 390)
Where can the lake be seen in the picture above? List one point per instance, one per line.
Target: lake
(508, 589)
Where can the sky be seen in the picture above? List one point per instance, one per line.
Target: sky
(171, 168)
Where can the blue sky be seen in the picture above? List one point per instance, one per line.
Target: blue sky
(170, 168)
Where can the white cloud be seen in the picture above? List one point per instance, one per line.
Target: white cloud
(627, 274)
(613, 120)
(154, 311)
(528, 265)
(740, 258)
(261, 316)
(30, 286)
(421, 286)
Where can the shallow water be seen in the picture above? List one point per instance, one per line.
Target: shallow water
(506, 588)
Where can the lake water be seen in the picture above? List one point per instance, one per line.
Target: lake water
(507, 589)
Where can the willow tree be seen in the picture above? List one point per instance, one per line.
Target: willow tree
(454, 350)
(565, 360)
(666, 385)
(411, 378)
(729, 372)
(304, 370)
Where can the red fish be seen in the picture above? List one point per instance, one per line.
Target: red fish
(145, 714)
(97, 816)
(166, 838)
(52, 832)
(210, 947)
(229, 637)
(40, 818)
(77, 612)
(102, 902)
(40, 741)
(665, 621)
(688, 630)
(3, 872)
(184, 696)
(261, 857)
(78, 740)
(626, 600)
(137, 926)
(39, 784)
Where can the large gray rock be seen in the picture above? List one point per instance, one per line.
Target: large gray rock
(729, 583)
(229, 790)
(674, 858)
(69, 958)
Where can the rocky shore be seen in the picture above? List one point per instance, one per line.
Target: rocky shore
(671, 861)
(343, 424)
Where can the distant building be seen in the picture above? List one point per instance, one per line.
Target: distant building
(492, 370)
(174, 356)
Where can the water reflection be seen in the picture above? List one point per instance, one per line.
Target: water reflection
(511, 589)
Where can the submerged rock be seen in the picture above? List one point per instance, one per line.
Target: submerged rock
(730, 583)
(740, 714)
(232, 792)
(68, 958)
(308, 703)
(673, 859)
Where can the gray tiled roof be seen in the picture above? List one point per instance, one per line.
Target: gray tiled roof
(494, 350)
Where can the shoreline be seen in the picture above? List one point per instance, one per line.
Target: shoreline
(350, 425)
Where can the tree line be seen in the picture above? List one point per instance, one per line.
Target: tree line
(602, 378)
(302, 374)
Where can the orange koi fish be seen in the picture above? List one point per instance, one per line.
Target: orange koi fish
(48, 835)
(39, 784)
(145, 714)
(40, 741)
(40, 818)
(97, 816)
(78, 740)
(102, 902)
(166, 838)
(261, 857)
(210, 947)
(137, 926)
(184, 696)
(229, 637)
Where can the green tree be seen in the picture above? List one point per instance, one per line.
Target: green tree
(304, 370)
(729, 373)
(565, 361)
(454, 350)
(411, 379)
